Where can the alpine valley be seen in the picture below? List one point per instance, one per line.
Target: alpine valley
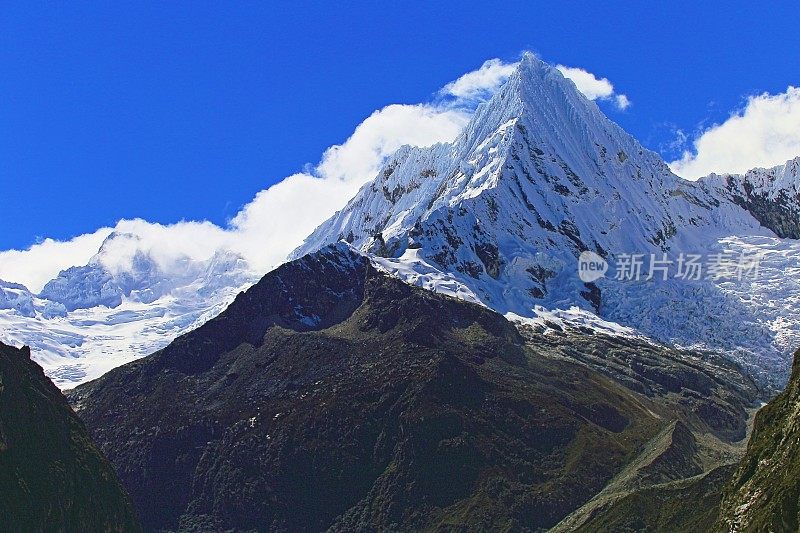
(430, 358)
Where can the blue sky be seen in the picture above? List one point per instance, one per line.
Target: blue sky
(170, 111)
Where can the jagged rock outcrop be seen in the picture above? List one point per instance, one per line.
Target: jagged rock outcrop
(771, 195)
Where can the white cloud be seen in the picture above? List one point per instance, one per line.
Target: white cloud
(167, 244)
(267, 229)
(272, 224)
(481, 83)
(765, 133)
(279, 218)
(592, 87)
(385, 131)
(39, 263)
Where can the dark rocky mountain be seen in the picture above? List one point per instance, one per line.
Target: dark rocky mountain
(764, 492)
(333, 396)
(52, 478)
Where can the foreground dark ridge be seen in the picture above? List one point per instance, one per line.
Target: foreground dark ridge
(330, 395)
(52, 478)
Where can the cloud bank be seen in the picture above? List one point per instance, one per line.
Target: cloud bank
(268, 228)
(765, 133)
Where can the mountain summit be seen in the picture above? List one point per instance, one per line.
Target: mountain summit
(538, 176)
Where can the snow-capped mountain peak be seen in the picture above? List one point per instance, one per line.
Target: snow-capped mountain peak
(539, 175)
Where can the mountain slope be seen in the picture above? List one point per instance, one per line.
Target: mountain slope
(759, 493)
(540, 175)
(52, 478)
(764, 493)
(690, 504)
(331, 395)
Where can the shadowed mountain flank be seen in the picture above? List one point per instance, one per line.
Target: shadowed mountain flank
(331, 395)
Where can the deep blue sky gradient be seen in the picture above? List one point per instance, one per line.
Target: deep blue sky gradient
(184, 110)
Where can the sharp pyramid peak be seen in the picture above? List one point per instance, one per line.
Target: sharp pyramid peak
(551, 115)
(535, 81)
(549, 106)
(531, 68)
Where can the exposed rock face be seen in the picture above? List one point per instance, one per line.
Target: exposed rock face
(331, 395)
(771, 195)
(764, 493)
(52, 478)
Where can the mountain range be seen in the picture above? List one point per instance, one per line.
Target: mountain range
(498, 217)
(438, 355)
